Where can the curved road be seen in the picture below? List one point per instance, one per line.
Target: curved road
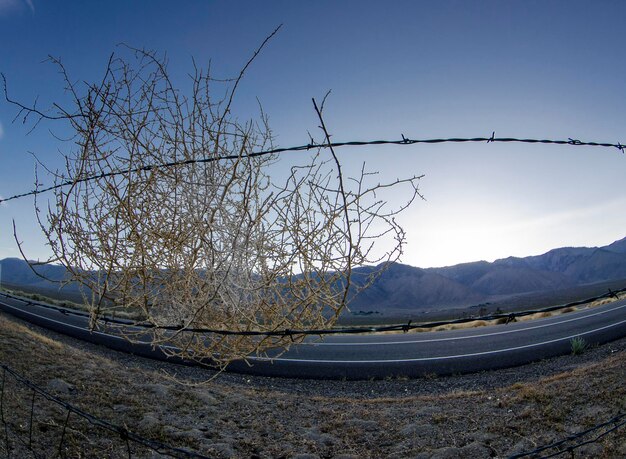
(380, 356)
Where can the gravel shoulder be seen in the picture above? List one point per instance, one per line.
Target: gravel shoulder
(489, 414)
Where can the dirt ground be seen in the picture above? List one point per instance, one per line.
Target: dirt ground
(490, 414)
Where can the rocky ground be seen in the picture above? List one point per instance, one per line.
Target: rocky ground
(491, 414)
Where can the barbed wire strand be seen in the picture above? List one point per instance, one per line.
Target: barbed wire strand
(6, 429)
(570, 449)
(309, 146)
(122, 432)
(510, 317)
(65, 424)
(30, 422)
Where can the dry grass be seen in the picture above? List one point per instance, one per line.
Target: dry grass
(463, 326)
(33, 336)
(605, 301)
(504, 320)
(119, 312)
(234, 416)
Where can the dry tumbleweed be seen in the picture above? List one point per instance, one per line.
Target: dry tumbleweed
(169, 215)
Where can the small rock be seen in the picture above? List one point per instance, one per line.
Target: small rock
(485, 437)
(205, 398)
(59, 386)
(320, 438)
(475, 450)
(157, 455)
(471, 451)
(224, 450)
(305, 456)
(593, 412)
(427, 411)
(148, 422)
(590, 450)
(419, 430)
(157, 389)
(448, 452)
(313, 434)
(521, 447)
(367, 426)
(180, 434)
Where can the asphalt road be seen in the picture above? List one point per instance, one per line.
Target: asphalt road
(393, 355)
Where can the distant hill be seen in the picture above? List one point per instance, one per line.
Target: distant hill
(16, 274)
(16, 271)
(407, 288)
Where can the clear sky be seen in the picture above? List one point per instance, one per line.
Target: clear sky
(541, 69)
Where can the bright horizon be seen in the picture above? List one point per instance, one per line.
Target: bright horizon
(521, 69)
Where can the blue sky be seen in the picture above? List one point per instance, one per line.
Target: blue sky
(542, 69)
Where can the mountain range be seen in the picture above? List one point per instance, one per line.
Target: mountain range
(409, 288)
(406, 288)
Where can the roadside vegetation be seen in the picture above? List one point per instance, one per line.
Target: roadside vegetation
(121, 313)
(579, 345)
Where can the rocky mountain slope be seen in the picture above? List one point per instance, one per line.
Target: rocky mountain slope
(406, 287)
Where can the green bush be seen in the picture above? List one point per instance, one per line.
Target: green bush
(578, 345)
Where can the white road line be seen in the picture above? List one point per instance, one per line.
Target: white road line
(422, 359)
(378, 343)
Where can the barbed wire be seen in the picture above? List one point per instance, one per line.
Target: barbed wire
(313, 145)
(616, 422)
(124, 434)
(509, 316)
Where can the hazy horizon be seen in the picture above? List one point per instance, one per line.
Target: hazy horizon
(463, 262)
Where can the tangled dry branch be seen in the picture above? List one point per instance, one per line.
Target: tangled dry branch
(222, 244)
